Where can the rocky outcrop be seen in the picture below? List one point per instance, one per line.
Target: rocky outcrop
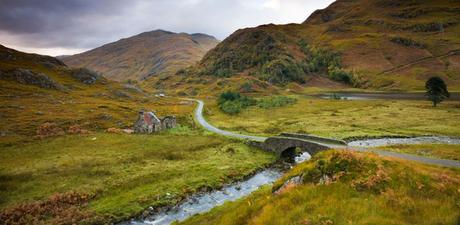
(85, 76)
(28, 77)
(7, 54)
(148, 123)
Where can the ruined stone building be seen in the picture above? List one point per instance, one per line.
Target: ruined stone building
(148, 122)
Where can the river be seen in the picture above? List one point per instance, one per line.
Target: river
(203, 202)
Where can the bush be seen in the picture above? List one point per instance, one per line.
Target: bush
(407, 42)
(233, 102)
(340, 75)
(320, 59)
(282, 71)
(247, 87)
(325, 61)
(277, 101)
(231, 107)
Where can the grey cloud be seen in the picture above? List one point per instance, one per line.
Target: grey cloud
(84, 24)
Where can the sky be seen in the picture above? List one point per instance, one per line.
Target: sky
(63, 27)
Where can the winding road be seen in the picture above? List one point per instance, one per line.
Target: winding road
(432, 161)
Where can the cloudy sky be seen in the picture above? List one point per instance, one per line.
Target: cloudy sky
(60, 27)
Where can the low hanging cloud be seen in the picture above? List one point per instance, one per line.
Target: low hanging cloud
(70, 26)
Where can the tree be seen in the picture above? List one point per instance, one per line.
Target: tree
(436, 90)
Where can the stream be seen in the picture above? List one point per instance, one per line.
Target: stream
(203, 202)
(404, 141)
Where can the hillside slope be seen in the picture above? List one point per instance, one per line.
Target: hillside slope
(147, 54)
(38, 90)
(378, 44)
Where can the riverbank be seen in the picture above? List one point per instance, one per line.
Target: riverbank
(343, 119)
(112, 177)
(341, 187)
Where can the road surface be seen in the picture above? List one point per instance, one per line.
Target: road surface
(439, 162)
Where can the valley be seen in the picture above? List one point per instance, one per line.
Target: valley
(348, 117)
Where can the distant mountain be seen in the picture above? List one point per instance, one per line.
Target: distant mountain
(379, 44)
(147, 54)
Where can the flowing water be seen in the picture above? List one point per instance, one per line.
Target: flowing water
(404, 141)
(203, 202)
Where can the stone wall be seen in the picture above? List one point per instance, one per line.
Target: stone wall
(148, 123)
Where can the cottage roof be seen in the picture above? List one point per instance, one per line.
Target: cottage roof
(153, 118)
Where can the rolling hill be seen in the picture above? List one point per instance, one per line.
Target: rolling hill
(375, 44)
(41, 93)
(153, 53)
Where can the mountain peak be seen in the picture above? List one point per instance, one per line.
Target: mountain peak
(146, 54)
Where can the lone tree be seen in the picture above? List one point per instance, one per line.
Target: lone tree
(436, 90)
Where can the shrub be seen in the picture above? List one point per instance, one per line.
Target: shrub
(231, 107)
(282, 71)
(340, 75)
(247, 87)
(407, 42)
(233, 102)
(277, 101)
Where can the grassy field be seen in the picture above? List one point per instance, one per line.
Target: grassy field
(106, 177)
(441, 151)
(23, 108)
(349, 188)
(342, 118)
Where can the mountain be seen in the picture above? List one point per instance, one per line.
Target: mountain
(378, 44)
(39, 91)
(147, 54)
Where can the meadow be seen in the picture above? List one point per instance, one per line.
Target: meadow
(343, 119)
(104, 177)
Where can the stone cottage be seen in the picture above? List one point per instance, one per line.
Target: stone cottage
(148, 123)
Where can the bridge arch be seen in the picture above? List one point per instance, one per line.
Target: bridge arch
(285, 146)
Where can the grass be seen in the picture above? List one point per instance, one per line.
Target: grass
(104, 104)
(349, 188)
(120, 175)
(343, 119)
(442, 151)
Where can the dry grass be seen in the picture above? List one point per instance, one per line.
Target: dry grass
(343, 119)
(442, 151)
(369, 190)
(120, 175)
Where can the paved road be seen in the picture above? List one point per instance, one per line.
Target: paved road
(199, 117)
(439, 162)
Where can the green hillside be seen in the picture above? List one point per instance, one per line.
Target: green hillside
(36, 90)
(387, 45)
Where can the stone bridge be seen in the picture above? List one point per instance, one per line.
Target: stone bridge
(287, 144)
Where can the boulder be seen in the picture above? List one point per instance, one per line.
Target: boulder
(85, 76)
(24, 76)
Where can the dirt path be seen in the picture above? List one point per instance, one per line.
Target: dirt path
(401, 67)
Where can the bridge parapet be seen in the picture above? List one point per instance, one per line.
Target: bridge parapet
(314, 138)
(287, 145)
